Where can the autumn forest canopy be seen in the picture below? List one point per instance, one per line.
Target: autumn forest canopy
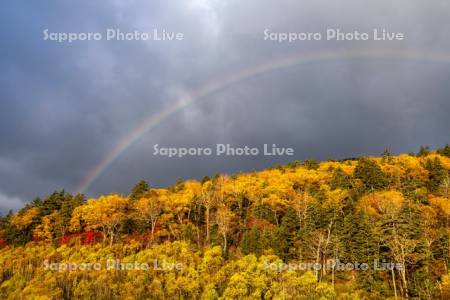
(367, 228)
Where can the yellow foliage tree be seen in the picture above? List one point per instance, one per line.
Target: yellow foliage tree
(104, 214)
(382, 203)
(224, 218)
(148, 209)
(26, 218)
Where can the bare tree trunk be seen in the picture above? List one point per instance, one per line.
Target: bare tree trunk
(318, 257)
(153, 223)
(207, 224)
(332, 272)
(393, 283)
(112, 238)
(327, 242)
(403, 273)
(225, 243)
(105, 236)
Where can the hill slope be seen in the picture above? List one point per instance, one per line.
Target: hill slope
(366, 228)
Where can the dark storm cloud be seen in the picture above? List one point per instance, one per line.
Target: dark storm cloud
(65, 106)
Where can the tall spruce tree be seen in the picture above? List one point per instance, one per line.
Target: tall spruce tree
(436, 174)
(371, 174)
(139, 190)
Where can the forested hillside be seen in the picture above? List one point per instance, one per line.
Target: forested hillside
(367, 228)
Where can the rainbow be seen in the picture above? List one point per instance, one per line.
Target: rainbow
(197, 95)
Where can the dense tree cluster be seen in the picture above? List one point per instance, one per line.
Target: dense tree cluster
(231, 234)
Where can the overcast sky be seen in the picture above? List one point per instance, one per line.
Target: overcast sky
(65, 106)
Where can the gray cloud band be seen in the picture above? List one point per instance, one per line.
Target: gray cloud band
(64, 108)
